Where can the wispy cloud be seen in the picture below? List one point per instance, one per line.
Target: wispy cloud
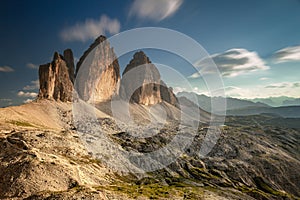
(90, 29)
(290, 89)
(32, 66)
(178, 89)
(156, 10)
(231, 63)
(6, 100)
(28, 100)
(6, 69)
(290, 85)
(287, 54)
(264, 78)
(271, 90)
(33, 85)
(27, 94)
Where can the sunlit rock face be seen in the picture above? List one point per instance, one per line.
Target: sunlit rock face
(56, 78)
(98, 73)
(141, 83)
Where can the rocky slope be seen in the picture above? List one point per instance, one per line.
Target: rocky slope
(44, 158)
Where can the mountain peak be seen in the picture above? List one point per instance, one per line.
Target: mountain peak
(56, 78)
(143, 85)
(141, 56)
(139, 59)
(100, 80)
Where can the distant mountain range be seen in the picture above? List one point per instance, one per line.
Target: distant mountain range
(283, 111)
(242, 107)
(278, 101)
(204, 102)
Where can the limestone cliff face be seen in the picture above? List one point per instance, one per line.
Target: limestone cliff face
(141, 83)
(168, 95)
(98, 77)
(98, 73)
(56, 78)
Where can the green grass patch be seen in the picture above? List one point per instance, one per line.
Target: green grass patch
(155, 190)
(21, 123)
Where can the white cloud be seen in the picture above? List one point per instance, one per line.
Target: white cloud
(264, 78)
(287, 54)
(27, 94)
(32, 66)
(195, 75)
(90, 29)
(156, 10)
(231, 63)
(284, 85)
(33, 85)
(6, 69)
(28, 100)
(290, 89)
(178, 89)
(6, 100)
(271, 90)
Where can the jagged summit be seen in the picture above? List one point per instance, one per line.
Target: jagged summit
(99, 79)
(97, 41)
(141, 82)
(56, 78)
(139, 58)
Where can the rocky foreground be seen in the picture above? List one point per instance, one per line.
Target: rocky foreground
(43, 157)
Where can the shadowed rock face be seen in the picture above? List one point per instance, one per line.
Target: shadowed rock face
(69, 59)
(98, 73)
(56, 78)
(168, 95)
(141, 83)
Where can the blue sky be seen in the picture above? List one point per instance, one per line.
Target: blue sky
(256, 44)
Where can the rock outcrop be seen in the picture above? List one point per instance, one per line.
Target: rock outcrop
(98, 77)
(98, 73)
(69, 59)
(141, 83)
(56, 78)
(168, 95)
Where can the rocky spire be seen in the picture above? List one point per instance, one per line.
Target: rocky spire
(69, 59)
(98, 72)
(141, 83)
(55, 81)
